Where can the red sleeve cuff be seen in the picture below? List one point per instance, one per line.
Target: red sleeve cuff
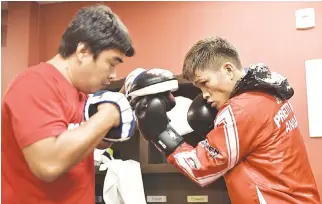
(181, 148)
(39, 135)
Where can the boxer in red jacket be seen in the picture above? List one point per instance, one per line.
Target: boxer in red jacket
(255, 144)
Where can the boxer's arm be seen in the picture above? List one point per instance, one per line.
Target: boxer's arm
(233, 137)
(51, 157)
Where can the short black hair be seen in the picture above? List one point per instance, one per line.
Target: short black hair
(209, 53)
(100, 29)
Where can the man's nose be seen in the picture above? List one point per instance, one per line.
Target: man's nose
(205, 95)
(112, 76)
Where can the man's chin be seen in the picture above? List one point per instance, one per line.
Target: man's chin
(216, 106)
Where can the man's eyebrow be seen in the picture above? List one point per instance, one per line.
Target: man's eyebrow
(118, 59)
(197, 80)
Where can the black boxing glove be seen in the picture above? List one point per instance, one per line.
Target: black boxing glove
(153, 123)
(201, 116)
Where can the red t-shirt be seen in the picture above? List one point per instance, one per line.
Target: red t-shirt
(40, 103)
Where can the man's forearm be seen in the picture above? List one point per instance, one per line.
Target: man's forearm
(72, 146)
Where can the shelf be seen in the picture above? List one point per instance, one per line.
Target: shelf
(117, 85)
(176, 187)
(158, 168)
(98, 172)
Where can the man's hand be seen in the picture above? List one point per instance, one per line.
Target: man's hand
(124, 123)
(201, 116)
(153, 122)
(122, 90)
(114, 112)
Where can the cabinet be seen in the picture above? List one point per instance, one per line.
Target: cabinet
(159, 177)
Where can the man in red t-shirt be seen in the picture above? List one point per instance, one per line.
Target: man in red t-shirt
(46, 146)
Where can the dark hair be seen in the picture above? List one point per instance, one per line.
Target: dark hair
(210, 52)
(100, 29)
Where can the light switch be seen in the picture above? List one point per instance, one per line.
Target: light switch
(305, 18)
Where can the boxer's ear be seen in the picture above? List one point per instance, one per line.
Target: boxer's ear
(228, 69)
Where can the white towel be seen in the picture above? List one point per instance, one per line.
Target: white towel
(123, 182)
